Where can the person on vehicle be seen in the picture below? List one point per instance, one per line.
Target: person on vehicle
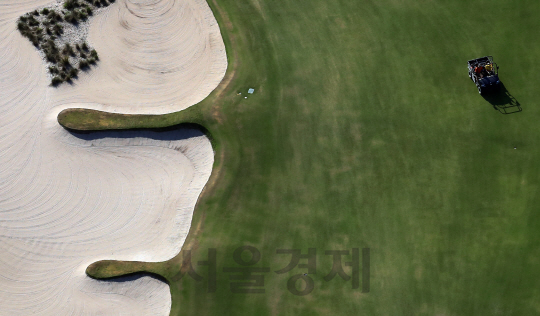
(478, 71)
(489, 68)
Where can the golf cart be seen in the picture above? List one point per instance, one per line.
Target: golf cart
(485, 74)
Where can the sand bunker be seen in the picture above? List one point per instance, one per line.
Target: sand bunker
(163, 55)
(67, 200)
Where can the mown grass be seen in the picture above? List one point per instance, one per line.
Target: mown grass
(92, 120)
(112, 268)
(365, 131)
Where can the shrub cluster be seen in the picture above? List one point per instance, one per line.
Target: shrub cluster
(65, 67)
(77, 11)
(44, 29)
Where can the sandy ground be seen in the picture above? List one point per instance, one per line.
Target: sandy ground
(67, 200)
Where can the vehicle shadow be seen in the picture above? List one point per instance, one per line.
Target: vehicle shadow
(503, 101)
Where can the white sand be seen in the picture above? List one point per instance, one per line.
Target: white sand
(67, 200)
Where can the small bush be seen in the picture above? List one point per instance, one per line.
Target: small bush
(21, 26)
(45, 11)
(89, 11)
(48, 49)
(51, 57)
(51, 18)
(65, 62)
(32, 21)
(91, 61)
(35, 12)
(84, 46)
(94, 54)
(65, 76)
(83, 64)
(70, 4)
(83, 16)
(73, 72)
(70, 17)
(52, 45)
(56, 81)
(58, 29)
(26, 33)
(67, 50)
(56, 17)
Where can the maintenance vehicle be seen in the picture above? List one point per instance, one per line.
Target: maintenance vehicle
(485, 74)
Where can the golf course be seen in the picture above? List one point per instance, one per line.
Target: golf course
(364, 131)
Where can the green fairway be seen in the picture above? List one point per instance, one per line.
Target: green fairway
(365, 131)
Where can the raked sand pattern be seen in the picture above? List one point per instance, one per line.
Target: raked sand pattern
(68, 200)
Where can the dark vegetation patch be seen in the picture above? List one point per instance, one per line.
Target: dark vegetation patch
(45, 30)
